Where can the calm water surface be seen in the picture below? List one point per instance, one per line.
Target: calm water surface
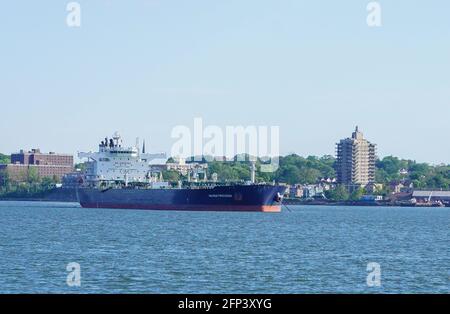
(306, 250)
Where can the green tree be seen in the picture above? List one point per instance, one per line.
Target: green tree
(289, 174)
(171, 175)
(47, 183)
(4, 159)
(340, 193)
(80, 167)
(294, 169)
(4, 179)
(32, 175)
(357, 194)
(309, 175)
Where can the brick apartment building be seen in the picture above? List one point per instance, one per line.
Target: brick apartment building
(46, 165)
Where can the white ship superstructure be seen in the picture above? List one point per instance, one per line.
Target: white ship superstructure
(114, 163)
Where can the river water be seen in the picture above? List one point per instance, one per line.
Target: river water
(305, 250)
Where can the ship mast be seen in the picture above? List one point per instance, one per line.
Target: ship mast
(253, 171)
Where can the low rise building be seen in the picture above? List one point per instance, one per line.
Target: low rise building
(401, 186)
(296, 191)
(374, 187)
(431, 196)
(24, 164)
(313, 191)
(371, 198)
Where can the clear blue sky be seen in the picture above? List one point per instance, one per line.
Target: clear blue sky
(312, 67)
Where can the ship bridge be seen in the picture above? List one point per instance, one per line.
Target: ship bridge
(113, 162)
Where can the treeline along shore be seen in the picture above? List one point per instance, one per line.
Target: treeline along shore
(292, 170)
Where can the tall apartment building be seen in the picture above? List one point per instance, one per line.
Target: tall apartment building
(355, 162)
(46, 165)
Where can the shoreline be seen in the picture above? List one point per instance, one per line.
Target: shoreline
(285, 203)
(35, 200)
(299, 202)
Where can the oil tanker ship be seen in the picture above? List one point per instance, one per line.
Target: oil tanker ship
(264, 198)
(126, 178)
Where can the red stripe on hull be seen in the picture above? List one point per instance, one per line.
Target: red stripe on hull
(234, 208)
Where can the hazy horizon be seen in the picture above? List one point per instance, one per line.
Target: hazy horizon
(313, 68)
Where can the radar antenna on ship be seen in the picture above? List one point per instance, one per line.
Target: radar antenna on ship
(117, 139)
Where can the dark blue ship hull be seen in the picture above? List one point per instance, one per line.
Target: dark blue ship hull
(263, 198)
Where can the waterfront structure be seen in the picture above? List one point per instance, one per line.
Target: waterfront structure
(431, 196)
(50, 165)
(309, 190)
(193, 170)
(355, 161)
